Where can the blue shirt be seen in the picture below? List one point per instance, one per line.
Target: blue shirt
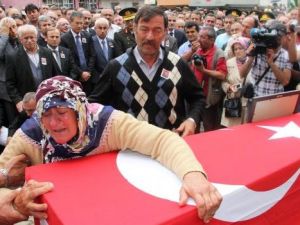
(148, 71)
(186, 46)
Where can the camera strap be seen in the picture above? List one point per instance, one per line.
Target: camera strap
(265, 72)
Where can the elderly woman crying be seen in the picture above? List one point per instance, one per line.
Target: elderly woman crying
(66, 126)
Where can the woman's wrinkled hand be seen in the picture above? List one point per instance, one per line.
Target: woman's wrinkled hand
(206, 196)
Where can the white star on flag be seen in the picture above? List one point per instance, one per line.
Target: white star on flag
(289, 130)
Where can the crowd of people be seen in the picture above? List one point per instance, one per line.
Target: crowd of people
(173, 69)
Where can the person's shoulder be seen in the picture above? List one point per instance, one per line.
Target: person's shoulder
(122, 59)
(66, 35)
(176, 31)
(13, 54)
(102, 112)
(31, 127)
(63, 49)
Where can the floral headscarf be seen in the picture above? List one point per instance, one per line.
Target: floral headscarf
(61, 91)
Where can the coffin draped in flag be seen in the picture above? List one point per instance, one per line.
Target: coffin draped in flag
(254, 166)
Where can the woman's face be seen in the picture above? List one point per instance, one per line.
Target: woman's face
(60, 123)
(239, 51)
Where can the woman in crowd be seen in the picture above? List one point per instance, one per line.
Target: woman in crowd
(232, 86)
(66, 126)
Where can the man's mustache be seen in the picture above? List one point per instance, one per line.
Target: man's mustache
(148, 43)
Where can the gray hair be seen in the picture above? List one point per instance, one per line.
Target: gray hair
(100, 21)
(75, 14)
(61, 21)
(43, 18)
(210, 31)
(7, 21)
(27, 28)
(28, 96)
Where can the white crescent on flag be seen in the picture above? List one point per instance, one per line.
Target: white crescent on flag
(151, 177)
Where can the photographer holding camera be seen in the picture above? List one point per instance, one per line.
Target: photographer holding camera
(210, 70)
(271, 69)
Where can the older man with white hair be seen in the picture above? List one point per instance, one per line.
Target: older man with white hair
(103, 45)
(63, 25)
(28, 66)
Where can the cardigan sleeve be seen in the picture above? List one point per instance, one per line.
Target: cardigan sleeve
(163, 145)
(20, 144)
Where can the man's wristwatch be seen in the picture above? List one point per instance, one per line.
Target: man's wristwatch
(4, 173)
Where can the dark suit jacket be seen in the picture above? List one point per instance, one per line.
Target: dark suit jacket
(67, 41)
(101, 61)
(19, 77)
(91, 31)
(180, 37)
(170, 44)
(41, 41)
(67, 63)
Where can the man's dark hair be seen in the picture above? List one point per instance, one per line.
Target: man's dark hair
(75, 14)
(210, 14)
(191, 24)
(31, 7)
(146, 13)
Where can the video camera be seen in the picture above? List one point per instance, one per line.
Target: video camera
(264, 39)
(199, 60)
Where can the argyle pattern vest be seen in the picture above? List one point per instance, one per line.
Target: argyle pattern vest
(153, 101)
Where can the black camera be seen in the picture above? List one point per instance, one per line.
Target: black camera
(264, 39)
(200, 60)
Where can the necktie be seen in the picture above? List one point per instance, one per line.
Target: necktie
(172, 34)
(104, 48)
(57, 58)
(82, 60)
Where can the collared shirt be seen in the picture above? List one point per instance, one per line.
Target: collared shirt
(74, 35)
(172, 33)
(269, 84)
(34, 57)
(53, 53)
(149, 72)
(186, 46)
(222, 39)
(112, 30)
(100, 41)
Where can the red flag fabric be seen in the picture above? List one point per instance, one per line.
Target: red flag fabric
(255, 167)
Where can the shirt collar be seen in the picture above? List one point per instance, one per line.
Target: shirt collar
(99, 39)
(74, 34)
(36, 52)
(140, 60)
(56, 49)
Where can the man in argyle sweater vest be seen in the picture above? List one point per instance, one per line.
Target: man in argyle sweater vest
(165, 92)
(161, 101)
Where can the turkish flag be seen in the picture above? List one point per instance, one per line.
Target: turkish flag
(254, 166)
